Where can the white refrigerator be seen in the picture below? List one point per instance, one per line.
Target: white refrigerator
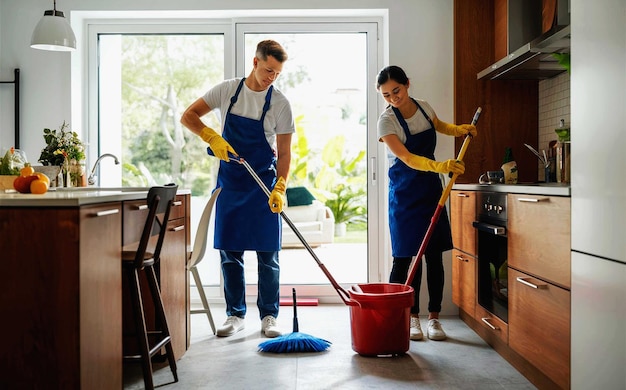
(598, 178)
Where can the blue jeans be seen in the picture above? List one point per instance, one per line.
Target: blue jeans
(235, 284)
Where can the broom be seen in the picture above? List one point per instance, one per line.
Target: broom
(295, 341)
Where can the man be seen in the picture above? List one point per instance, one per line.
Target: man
(257, 125)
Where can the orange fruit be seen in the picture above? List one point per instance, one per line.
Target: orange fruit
(44, 177)
(38, 186)
(28, 170)
(22, 183)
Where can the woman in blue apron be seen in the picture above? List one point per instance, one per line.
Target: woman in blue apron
(408, 128)
(244, 218)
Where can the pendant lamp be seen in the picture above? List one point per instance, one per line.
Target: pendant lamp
(53, 32)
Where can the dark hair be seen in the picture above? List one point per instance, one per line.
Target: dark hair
(271, 48)
(391, 72)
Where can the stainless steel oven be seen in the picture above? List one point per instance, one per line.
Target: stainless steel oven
(490, 223)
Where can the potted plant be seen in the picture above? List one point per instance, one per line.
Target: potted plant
(66, 150)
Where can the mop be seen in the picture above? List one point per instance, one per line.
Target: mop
(295, 341)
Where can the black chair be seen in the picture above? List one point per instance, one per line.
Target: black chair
(160, 199)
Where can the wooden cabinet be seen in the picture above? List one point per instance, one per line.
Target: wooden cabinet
(539, 325)
(539, 237)
(539, 282)
(171, 272)
(462, 213)
(61, 297)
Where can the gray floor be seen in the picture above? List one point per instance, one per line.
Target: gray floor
(463, 361)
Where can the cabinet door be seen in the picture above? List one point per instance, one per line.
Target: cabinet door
(173, 282)
(464, 281)
(539, 325)
(462, 214)
(539, 236)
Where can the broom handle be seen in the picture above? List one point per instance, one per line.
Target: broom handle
(296, 328)
(343, 294)
(442, 201)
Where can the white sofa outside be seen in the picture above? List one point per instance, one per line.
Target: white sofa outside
(315, 222)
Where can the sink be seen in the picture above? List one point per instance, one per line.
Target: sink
(96, 188)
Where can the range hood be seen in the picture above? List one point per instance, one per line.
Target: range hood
(534, 60)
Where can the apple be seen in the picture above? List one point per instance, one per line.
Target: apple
(22, 183)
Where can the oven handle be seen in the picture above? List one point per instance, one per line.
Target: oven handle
(492, 229)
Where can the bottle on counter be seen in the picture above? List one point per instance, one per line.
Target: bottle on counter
(509, 167)
(563, 148)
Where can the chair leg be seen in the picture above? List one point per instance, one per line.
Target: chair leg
(140, 326)
(205, 303)
(161, 318)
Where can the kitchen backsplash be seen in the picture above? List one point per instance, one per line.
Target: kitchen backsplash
(554, 105)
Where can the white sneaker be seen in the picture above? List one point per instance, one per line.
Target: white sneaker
(232, 325)
(415, 331)
(269, 327)
(435, 332)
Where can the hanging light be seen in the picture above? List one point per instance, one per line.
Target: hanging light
(53, 32)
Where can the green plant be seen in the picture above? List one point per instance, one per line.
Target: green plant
(61, 146)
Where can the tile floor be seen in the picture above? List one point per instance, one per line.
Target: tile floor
(463, 361)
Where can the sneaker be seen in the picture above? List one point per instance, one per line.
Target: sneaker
(435, 332)
(269, 327)
(232, 325)
(415, 331)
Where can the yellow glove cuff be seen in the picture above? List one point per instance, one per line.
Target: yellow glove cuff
(207, 134)
(446, 128)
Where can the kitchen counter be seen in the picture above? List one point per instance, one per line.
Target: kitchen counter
(548, 189)
(75, 197)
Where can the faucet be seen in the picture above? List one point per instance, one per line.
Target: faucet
(91, 180)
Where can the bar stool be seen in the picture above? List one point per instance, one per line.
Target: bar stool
(160, 199)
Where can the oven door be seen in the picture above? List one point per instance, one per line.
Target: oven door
(492, 269)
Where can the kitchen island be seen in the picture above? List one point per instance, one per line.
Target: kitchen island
(62, 286)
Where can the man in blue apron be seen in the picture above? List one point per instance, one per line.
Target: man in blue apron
(408, 128)
(257, 126)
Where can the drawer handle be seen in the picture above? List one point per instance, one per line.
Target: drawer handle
(142, 207)
(107, 212)
(486, 321)
(462, 195)
(177, 203)
(533, 200)
(461, 258)
(178, 228)
(527, 283)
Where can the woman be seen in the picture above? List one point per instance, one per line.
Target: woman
(408, 127)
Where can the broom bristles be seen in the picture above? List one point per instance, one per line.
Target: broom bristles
(294, 342)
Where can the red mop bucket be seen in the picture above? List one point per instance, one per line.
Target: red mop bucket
(380, 321)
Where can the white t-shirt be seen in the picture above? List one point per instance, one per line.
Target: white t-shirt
(278, 120)
(388, 123)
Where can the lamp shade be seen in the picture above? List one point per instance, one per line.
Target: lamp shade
(53, 32)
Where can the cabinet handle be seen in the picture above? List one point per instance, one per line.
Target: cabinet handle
(462, 195)
(533, 200)
(178, 228)
(461, 258)
(527, 283)
(107, 212)
(486, 321)
(177, 203)
(142, 207)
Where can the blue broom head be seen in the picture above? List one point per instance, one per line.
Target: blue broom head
(294, 342)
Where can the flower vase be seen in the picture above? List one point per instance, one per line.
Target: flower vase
(65, 174)
(76, 173)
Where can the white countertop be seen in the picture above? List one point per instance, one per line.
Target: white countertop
(74, 197)
(548, 189)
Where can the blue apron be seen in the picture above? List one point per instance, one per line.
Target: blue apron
(243, 219)
(414, 195)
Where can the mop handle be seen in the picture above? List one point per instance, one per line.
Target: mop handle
(343, 294)
(444, 196)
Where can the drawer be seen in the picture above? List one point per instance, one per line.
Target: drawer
(492, 325)
(178, 208)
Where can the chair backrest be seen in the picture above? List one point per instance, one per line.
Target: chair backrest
(202, 232)
(160, 200)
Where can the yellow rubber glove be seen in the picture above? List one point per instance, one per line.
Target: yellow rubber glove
(422, 163)
(454, 130)
(218, 145)
(277, 197)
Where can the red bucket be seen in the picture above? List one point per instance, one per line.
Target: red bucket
(381, 320)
